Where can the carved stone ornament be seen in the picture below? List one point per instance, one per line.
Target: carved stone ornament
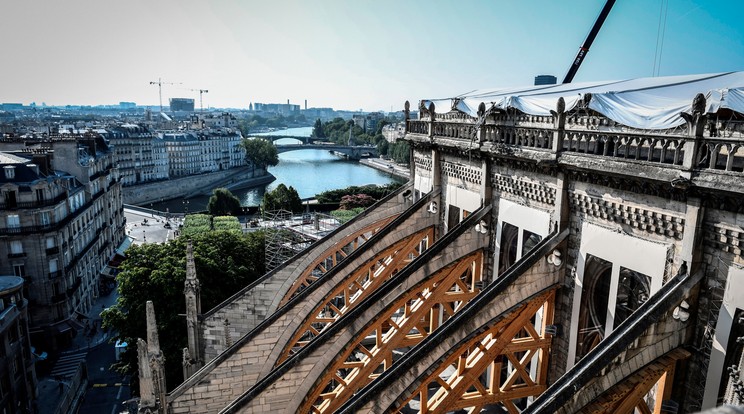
(186, 358)
(698, 104)
(481, 110)
(422, 109)
(586, 99)
(560, 107)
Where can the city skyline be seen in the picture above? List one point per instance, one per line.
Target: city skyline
(365, 55)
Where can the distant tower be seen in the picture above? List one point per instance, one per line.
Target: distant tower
(306, 104)
(545, 80)
(151, 368)
(192, 358)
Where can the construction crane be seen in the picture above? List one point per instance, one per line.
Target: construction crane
(201, 91)
(584, 49)
(160, 84)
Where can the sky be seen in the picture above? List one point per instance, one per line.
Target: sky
(354, 55)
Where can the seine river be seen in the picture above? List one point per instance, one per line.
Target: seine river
(308, 171)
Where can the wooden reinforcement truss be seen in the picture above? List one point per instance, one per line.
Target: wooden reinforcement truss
(502, 366)
(410, 319)
(330, 258)
(357, 285)
(632, 395)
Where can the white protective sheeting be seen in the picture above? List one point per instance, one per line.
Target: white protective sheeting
(644, 103)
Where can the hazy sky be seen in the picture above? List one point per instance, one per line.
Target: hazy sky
(353, 54)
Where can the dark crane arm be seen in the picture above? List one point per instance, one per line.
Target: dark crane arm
(584, 49)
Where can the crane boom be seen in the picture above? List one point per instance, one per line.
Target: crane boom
(584, 49)
(201, 91)
(160, 84)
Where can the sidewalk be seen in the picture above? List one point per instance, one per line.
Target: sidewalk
(93, 334)
(387, 166)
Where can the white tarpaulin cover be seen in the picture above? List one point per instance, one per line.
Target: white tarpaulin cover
(644, 103)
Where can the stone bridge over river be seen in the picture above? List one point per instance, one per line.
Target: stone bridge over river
(538, 261)
(352, 152)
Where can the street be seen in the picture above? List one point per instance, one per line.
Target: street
(107, 390)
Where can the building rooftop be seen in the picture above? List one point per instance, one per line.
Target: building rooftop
(6, 158)
(9, 283)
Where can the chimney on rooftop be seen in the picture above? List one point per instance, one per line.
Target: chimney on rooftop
(44, 163)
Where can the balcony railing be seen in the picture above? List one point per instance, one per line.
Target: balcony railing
(713, 146)
(4, 205)
(23, 230)
(79, 256)
(61, 297)
(74, 288)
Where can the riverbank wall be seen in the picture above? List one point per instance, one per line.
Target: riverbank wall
(387, 166)
(194, 185)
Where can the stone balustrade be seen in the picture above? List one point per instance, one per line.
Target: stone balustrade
(717, 145)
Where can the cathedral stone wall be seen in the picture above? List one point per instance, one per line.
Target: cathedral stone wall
(288, 391)
(222, 380)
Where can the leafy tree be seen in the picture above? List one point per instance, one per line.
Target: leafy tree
(223, 203)
(253, 122)
(349, 202)
(282, 198)
(400, 152)
(318, 129)
(383, 147)
(261, 152)
(337, 130)
(373, 190)
(225, 263)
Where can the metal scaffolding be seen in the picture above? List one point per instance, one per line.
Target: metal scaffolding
(282, 240)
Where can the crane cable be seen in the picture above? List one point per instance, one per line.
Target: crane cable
(660, 31)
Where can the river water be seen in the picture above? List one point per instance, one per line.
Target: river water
(308, 171)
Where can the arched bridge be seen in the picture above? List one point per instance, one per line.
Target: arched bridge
(353, 152)
(278, 137)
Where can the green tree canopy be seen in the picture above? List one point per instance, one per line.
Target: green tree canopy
(318, 129)
(261, 152)
(400, 152)
(282, 198)
(223, 203)
(225, 263)
(374, 190)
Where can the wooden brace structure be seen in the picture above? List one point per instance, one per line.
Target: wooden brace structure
(332, 256)
(633, 393)
(357, 286)
(503, 366)
(405, 323)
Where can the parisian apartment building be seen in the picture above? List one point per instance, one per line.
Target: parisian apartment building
(202, 151)
(61, 219)
(18, 385)
(146, 155)
(139, 153)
